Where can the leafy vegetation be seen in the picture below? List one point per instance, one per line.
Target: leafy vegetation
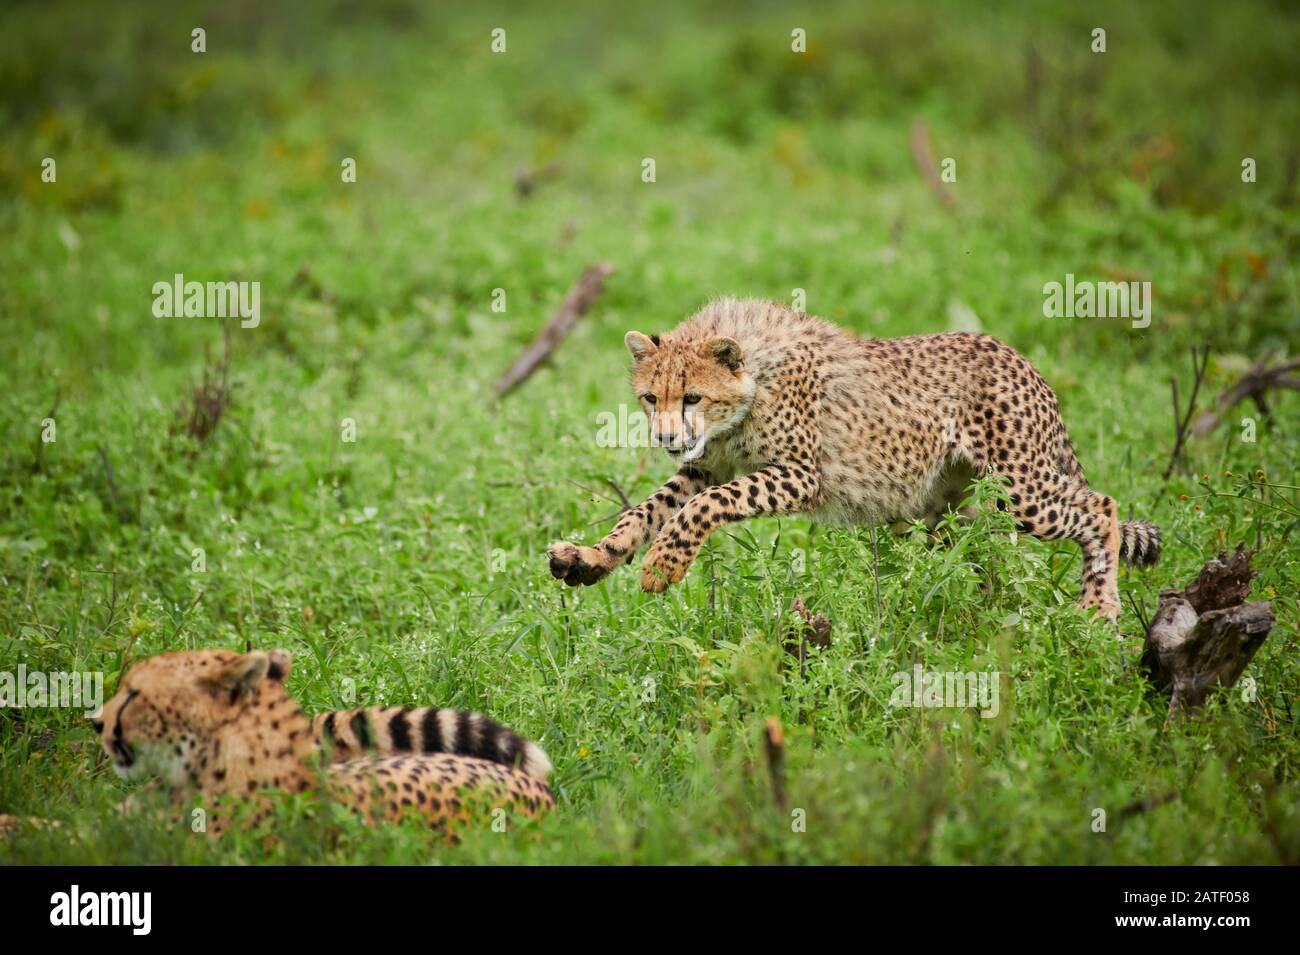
(410, 564)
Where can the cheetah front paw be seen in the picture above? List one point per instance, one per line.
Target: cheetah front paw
(577, 565)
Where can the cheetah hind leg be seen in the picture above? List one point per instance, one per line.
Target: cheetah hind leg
(1088, 518)
(1100, 587)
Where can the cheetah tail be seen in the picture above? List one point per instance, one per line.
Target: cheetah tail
(389, 731)
(1139, 543)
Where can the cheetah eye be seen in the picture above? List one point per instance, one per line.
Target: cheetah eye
(648, 399)
(691, 399)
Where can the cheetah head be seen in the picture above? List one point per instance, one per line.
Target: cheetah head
(169, 706)
(693, 391)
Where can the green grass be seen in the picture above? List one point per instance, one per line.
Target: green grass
(412, 562)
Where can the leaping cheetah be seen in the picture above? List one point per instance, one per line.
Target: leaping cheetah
(850, 431)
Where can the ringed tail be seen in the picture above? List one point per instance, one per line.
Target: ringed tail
(393, 730)
(1139, 543)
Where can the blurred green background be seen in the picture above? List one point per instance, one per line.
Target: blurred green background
(411, 562)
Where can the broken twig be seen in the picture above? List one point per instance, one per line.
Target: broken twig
(1258, 379)
(924, 158)
(774, 744)
(627, 505)
(1182, 418)
(580, 298)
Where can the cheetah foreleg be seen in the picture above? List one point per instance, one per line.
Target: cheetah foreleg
(587, 565)
(776, 489)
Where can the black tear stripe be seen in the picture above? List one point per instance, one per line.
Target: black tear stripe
(119, 744)
(400, 729)
(432, 731)
(329, 727)
(361, 729)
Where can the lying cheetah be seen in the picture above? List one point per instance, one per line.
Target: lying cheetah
(214, 723)
(850, 431)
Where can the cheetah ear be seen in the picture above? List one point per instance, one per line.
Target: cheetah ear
(241, 677)
(280, 663)
(727, 351)
(641, 346)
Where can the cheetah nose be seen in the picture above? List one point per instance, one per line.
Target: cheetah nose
(667, 440)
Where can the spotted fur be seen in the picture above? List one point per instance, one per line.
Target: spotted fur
(769, 411)
(215, 723)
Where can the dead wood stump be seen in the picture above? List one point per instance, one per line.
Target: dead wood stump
(1204, 635)
(815, 630)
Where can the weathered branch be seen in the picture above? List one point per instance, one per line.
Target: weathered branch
(580, 298)
(1200, 361)
(1258, 379)
(627, 505)
(774, 744)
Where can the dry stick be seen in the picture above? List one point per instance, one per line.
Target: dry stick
(774, 740)
(591, 490)
(584, 292)
(1200, 361)
(924, 159)
(1257, 380)
(627, 505)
